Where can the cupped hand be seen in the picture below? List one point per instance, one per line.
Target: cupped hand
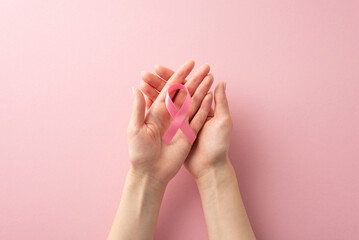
(149, 155)
(211, 146)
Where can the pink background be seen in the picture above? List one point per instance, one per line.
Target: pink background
(66, 72)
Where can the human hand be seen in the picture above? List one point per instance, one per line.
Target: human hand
(149, 155)
(211, 146)
(153, 163)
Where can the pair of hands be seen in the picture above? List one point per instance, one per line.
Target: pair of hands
(154, 164)
(149, 155)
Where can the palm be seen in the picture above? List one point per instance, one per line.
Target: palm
(146, 148)
(213, 140)
(211, 145)
(167, 158)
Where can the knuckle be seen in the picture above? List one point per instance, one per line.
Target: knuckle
(195, 99)
(146, 89)
(227, 121)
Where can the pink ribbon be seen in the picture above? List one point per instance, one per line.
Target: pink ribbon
(178, 116)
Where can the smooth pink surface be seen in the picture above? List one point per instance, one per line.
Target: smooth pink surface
(66, 72)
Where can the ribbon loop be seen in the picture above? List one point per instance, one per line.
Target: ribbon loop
(178, 116)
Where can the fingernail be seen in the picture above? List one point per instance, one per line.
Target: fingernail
(210, 76)
(224, 85)
(133, 91)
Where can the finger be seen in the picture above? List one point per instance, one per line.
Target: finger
(148, 90)
(221, 104)
(178, 77)
(148, 102)
(153, 80)
(164, 72)
(192, 84)
(211, 113)
(138, 109)
(200, 93)
(201, 116)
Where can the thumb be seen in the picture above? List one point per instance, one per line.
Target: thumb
(138, 108)
(221, 104)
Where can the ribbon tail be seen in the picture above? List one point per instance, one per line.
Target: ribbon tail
(170, 133)
(188, 132)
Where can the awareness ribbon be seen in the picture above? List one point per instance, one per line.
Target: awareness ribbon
(178, 116)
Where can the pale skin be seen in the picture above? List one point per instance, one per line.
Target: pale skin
(154, 164)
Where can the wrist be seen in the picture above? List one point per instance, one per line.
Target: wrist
(145, 181)
(139, 207)
(220, 174)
